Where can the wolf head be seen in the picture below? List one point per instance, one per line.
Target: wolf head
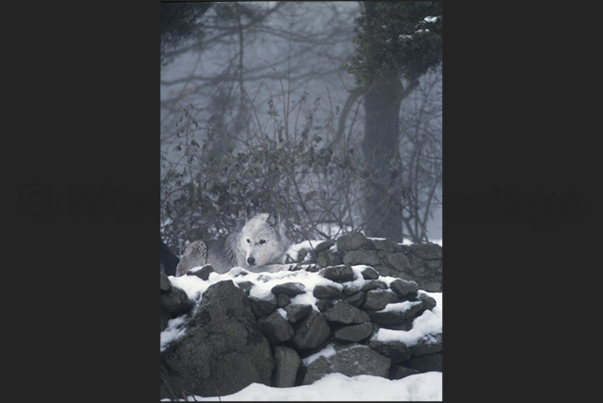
(263, 240)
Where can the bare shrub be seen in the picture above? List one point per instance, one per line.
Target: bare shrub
(283, 159)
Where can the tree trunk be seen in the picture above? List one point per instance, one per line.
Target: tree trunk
(383, 195)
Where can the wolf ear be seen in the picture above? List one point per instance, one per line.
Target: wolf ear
(273, 218)
(248, 212)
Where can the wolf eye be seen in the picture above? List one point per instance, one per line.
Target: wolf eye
(248, 241)
(262, 241)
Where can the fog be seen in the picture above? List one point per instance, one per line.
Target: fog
(270, 67)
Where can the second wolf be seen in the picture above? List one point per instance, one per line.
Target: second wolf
(258, 246)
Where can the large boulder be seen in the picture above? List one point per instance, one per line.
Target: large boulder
(368, 257)
(276, 328)
(296, 312)
(378, 299)
(429, 251)
(350, 360)
(329, 257)
(287, 364)
(404, 288)
(426, 266)
(395, 350)
(400, 371)
(426, 363)
(339, 274)
(428, 345)
(289, 289)
(398, 316)
(399, 261)
(344, 313)
(311, 332)
(354, 241)
(354, 332)
(263, 306)
(222, 351)
(228, 337)
(327, 292)
(173, 302)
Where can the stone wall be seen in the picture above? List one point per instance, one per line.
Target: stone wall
(232, 338)
(421, 263)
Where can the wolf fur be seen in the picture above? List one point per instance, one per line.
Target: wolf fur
(260, 245)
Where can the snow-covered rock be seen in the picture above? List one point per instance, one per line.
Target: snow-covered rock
(345, 319)
(219, 349)
(421, 263)
(349, 359)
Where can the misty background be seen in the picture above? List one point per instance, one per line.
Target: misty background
(330, 112)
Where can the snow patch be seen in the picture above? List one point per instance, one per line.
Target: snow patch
(326, 352)
(424, 387)
(283, 313)
(264, 282)
(174, 330)
(338, 387)
(425, 327)
(294, 250)
(406, 241)
(399, 306)
(192, 285)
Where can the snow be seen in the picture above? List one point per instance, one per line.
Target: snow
(425, 386)
(305, 299)
(173, 331)
(294, 249)
(192, 285)
(399, 306)
(338, 387)
(264, 282)
(283, 313)
(326, 352)
(424, 327)
(406, 241)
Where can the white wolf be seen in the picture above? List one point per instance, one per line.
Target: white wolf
(258, 246)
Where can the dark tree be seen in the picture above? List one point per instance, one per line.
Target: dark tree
(178, 22)
(395, 41)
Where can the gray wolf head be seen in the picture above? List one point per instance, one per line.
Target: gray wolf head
(263, 240)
